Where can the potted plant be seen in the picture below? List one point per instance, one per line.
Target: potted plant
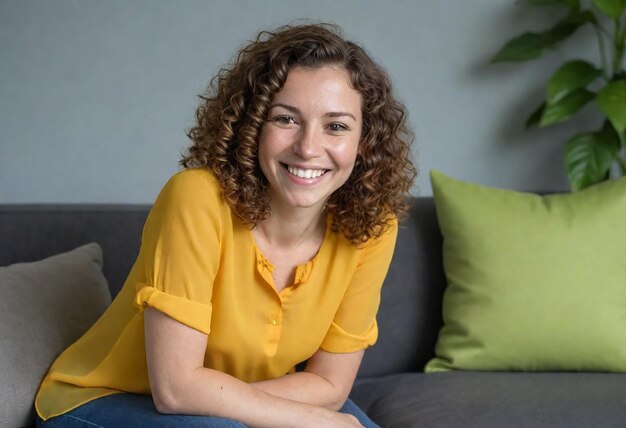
(593, 156)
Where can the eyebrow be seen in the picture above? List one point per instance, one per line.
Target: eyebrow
(329, 114)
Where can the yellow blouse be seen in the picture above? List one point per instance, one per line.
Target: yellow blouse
(199, 264)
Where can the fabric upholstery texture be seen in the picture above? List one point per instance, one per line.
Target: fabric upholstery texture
(534, 282)
(30, 232)
(45, 306)
(409, 316)
(460, 399)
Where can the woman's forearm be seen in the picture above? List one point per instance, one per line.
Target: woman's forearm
(326, 381)
(305, 387)
(213, 393)
(181, 385)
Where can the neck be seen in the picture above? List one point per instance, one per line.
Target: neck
(292, 228)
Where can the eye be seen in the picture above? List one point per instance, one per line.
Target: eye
(337, 127)
(284, 119)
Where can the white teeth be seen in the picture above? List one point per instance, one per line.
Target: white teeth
(305, 173)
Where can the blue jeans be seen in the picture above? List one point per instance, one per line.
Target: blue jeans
(132, 410)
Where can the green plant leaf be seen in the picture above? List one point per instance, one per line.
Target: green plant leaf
(564, 108)
(589, 156)
(535, 116)
(569, 77)
(581, 17)
(574, 4)
(609, 135)
(532, 45)
(612, 8)
(612, 102)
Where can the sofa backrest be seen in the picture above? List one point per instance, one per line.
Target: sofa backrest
(409, 317)
(30, 232)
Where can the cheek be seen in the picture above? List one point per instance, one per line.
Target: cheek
(266, 143)
(346, 153)
(272, 141)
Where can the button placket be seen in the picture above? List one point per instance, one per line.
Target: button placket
(274, 330)
(303, 272)
(276, 318)
(265, 268)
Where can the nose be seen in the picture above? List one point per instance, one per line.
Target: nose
(309, 143)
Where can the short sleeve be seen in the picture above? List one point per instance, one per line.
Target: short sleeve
(180, 249)
(354, 326)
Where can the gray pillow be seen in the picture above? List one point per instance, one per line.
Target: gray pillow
(44, 307)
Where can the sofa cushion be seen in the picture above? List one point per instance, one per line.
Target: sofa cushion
(494, 399)
(534, 282)
(45, 306)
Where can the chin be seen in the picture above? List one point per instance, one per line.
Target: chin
(306, 202)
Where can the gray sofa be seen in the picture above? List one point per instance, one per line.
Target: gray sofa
(391, 386)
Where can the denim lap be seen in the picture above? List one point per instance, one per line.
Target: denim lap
(130, 410)
(354, 410)
(133, 410)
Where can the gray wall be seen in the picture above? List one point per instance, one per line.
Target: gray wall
(95, 95)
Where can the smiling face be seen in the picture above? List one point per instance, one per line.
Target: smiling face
(308, 146)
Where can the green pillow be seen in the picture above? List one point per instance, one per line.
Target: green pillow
(535, 283)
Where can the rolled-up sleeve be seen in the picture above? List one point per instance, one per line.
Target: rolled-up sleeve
(180, 250)
(354, 326)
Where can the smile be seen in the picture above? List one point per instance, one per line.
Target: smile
(304, 173)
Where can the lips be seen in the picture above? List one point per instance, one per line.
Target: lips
(304, 173)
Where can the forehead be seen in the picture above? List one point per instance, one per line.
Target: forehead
(320, 87)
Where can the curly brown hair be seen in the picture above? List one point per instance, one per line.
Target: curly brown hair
(235, 106)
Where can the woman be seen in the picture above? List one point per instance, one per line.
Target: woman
(268, 250)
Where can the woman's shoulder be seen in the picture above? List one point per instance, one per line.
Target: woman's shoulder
(191, 190)
(197, 177)
(194, 183)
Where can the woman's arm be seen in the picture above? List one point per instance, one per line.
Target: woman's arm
(326, 381)
(180, 384)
